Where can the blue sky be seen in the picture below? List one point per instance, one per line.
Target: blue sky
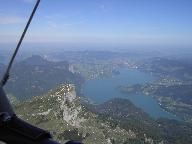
(166, 22)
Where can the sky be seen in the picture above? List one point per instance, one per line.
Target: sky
(167, 22)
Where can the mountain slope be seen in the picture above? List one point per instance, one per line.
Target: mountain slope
(61, 112)
(1, 69)
(117, 121)
(35, 76)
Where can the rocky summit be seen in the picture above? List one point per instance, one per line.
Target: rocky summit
(118, 121)
(61, 112)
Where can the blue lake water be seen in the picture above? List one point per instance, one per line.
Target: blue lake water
(101, 90)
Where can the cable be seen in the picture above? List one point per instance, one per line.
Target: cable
(7, 72)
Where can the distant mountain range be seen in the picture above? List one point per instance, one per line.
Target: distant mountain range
(117, 121)
(36, 75)
(2, 59)
(1, 67)
(179, 68)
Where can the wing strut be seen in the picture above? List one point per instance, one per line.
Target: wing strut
(7, 72)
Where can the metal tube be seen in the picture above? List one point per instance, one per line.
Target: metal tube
(6, 75)
(5, 105)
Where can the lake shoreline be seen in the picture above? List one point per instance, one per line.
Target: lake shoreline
(102, 90)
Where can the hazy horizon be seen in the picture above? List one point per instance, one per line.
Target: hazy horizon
(100, 22)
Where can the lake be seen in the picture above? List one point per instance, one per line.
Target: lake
(101, 90)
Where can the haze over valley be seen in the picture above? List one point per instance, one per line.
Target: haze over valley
(101, 71)
(108, 84)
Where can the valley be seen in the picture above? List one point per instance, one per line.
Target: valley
(88, 98)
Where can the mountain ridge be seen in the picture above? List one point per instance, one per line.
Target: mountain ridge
(36, 75)
(62, 112)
